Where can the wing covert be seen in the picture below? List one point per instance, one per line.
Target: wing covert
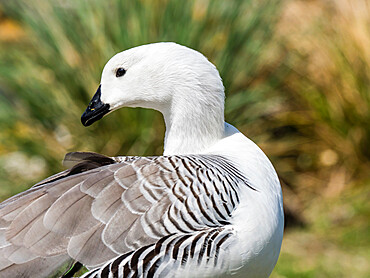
(124, 204)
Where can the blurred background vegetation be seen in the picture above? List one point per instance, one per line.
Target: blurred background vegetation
(297, 76)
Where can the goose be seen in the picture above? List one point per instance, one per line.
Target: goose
(210, 206)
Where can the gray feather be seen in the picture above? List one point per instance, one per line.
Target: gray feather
(115, 208)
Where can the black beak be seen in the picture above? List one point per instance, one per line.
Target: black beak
(95, 111)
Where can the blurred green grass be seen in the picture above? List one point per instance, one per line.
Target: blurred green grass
(49, 74)
(297, 79)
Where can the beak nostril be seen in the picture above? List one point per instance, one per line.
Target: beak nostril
(95, 110)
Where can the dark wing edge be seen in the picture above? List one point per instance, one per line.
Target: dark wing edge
(174, 255)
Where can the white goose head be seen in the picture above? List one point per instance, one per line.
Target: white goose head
(173, 79)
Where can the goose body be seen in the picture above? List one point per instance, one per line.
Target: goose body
(211, 206)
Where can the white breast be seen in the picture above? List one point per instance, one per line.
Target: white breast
(259, 218)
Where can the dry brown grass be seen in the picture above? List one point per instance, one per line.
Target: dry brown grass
(327, 43)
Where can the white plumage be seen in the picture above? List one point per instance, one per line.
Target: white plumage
(211, 206)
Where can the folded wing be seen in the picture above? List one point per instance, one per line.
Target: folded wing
(103, 207)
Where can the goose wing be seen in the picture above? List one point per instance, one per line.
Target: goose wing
(104, 207)
(198, 254)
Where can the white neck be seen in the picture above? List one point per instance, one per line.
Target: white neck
(193, 123)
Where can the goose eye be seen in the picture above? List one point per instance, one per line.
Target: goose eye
(120, 72)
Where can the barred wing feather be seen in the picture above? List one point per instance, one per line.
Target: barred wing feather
(198, 254)
(119, 205)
